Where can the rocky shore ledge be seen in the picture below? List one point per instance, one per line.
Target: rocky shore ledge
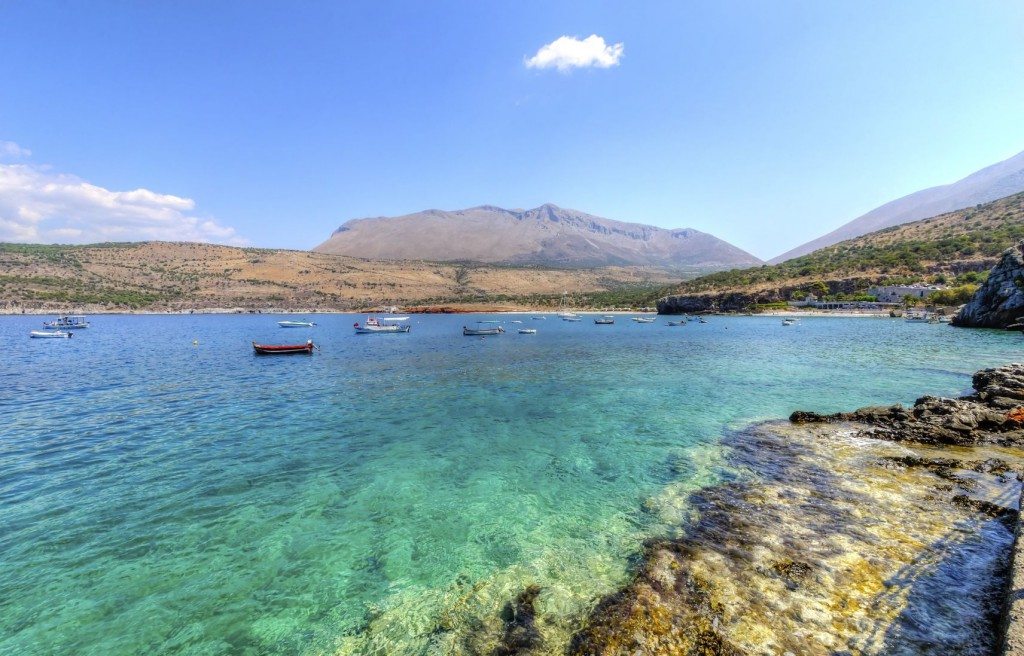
(879, 531)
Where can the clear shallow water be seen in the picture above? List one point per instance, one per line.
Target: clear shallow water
(390, 493)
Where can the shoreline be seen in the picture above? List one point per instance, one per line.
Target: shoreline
(847, 538)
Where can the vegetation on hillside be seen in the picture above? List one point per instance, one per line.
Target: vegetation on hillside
(941, 248)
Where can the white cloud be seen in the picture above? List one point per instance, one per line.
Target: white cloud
(568, 52)
(11, 150)
(37, 205)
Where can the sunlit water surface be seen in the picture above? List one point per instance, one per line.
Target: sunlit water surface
(388, 494)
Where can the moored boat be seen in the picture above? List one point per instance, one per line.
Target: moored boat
(51, 334)
(606, 320)
(677, 323)
(482, 332)
(377, 325)
(527, 331)
(69, 322)
(296, 324)
(643, 319)
(788, 322)
(284, 349)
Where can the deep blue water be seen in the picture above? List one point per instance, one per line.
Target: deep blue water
(162, 497)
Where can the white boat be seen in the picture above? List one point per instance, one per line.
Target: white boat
(70, 322)
(539, 318)
(527, 331)
(643, 319)
(377, 325)
(788, 322)
(916, 317)
(296, 324)
(50, 334)
(702, 320)
(571, 317)
(606, 320)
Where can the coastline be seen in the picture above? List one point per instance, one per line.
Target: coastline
(847, 538)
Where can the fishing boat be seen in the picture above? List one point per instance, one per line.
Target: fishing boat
(482, 332)
(515, 321)
(606, 320)
(916, 317)
(375, 325)
(284, 349)
(51, 334)
(527, 331)
(71, 322)
(677, 323)
(539, 318)
(643, 319)
(571, 317)
(296, 324)
(788, 322)
(702, 320)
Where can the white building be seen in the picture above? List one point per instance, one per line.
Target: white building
(895, 293)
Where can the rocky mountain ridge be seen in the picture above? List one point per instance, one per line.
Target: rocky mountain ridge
(547, 235)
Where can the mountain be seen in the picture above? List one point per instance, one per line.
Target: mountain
(547, 235)
(957, 248)
(988, 184)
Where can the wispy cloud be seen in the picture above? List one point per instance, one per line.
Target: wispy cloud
(568, 52)
(37, 205)
(11, 150)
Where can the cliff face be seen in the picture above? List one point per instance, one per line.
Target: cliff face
(1000, 301)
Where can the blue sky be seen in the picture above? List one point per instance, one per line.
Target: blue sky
(766, 124)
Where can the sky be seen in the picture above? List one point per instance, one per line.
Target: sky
(271, 123)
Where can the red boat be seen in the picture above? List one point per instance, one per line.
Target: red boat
(284, 349)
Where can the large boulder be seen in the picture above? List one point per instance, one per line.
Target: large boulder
(999, 302)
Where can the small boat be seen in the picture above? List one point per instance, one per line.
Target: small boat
(71, 322)
(51, 334)
(473, 332)
(677, 323)
(515, 321)
(571, 317)
(702, 320)
(284, 349)
(375, 325)
(916, 317)
(643, 319)
(527, 331)
(296, 324)
(605, 320)
(788, 322)
(539, 318)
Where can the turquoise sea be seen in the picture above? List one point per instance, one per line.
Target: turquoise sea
(390, 493)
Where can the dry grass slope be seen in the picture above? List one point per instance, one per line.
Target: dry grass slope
(162, 276)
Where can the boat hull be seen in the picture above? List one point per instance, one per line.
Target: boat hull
(371, 330)
(283, 349)
(481, 332)
(42, 334)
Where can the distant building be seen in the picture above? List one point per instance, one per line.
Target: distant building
(896, 293)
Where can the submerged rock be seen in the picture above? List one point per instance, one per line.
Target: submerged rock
(521, 634)
(999, 302)
(834, 544)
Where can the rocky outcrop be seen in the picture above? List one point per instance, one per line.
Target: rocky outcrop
(999, 302)
(994, 414)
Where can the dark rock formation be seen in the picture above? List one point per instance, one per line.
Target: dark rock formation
(999, 302)
(994, 414)
(521, 634)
